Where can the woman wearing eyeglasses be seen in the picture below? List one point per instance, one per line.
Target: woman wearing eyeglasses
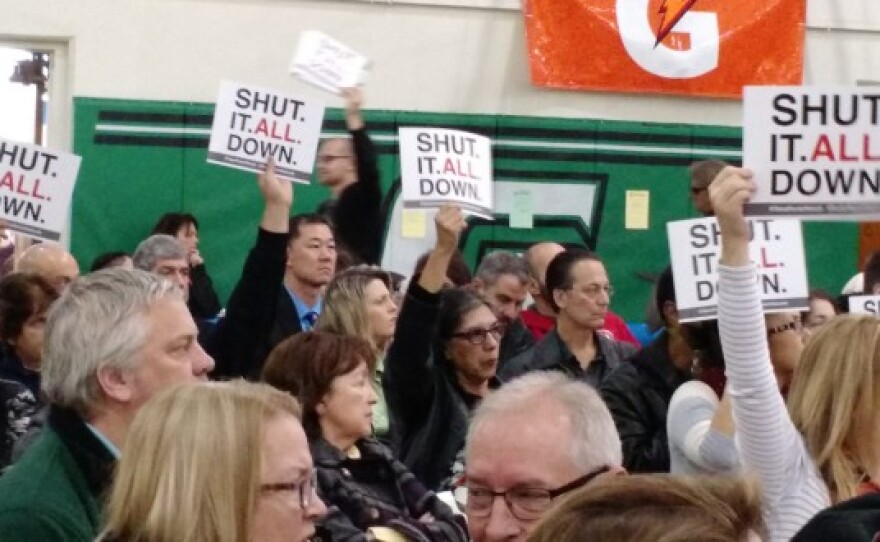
(218, 462)
(372, 495)
(441, 363)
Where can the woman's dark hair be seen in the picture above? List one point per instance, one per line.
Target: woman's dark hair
(22, 295)
(306, 364)
(454, 304)
(107, 260)
(824, 296)
(170, 223)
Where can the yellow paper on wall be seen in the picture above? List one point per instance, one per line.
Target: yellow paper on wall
(413, 224)
(637, 204)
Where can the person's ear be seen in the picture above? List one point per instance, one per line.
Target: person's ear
(560, 297)
(533, 287)
(116, 384)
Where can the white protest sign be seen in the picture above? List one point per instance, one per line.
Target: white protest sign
(815, 151)
(446, 166)
(864, 304)
(327, 63)
(36, 186)
(776, 246)
(252, 123)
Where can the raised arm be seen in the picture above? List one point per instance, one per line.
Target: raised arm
(251, 307)
(408, 366)
(769, 442)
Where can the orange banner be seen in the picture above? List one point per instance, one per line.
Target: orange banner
(694, 47)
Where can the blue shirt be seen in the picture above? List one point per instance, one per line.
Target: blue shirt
(302, 310)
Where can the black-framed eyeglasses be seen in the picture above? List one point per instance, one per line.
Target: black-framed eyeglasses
(304, 488)
(525, 503)
(478, 336)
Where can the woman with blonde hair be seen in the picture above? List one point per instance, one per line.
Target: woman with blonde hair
(822, 449)
(656, 507)
(358, 302)
(218, 462)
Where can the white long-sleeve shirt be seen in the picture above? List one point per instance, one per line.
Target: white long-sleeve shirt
(792, 488)
(694, 447)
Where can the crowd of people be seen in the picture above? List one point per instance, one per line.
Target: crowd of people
(325, 401)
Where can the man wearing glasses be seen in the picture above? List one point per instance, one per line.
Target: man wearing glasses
(702, 173)
(534, 440)
(580, 293)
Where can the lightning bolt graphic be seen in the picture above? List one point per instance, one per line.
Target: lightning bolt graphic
(672, 11)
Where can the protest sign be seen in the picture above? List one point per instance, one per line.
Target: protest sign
(776, 246)
(252, 123)
(815, 151)
(446, 166)
(864, 304)
(36, 186)
(326, 63)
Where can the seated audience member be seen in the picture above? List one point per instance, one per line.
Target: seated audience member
(822, 448)
(541, 316)
(853, 520)
(111, 259)
(368, 491)
(51, 262)
(531, 442)
(823, 308)
(458, 273)
(348, 167)
(220, 462)
(441, 363)
(17, 407)
(203, 301)
(580, 294)
(502, 279)
(24, 300)
(638, 393)
(358, 302)
(656, 507)
(112, 340)
(163, 255)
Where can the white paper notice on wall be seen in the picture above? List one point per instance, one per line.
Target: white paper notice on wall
(36, 186)
(776, 247)
(440, 166)
(814, 151)
(252, 124)
(327, 63)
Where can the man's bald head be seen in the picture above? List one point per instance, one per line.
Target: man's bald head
(538, 258)
(51, 262)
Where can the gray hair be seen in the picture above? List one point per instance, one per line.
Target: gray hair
(502, 262)
(594, 439)
(154, 248)
(98, 322)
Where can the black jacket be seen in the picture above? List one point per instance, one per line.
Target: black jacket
(428, 410)
(638, 395)
(203, 301)
(377, 490)
(243, 338)
(855, 520)
(357, 214)
(517, 339)
(551, 354)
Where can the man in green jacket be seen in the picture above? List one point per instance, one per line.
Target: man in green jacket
(113, 340)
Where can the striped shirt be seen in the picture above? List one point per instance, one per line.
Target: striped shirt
(792, 488)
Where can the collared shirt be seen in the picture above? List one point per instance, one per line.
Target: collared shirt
(105, 441)
(595, 371)
(302, 310)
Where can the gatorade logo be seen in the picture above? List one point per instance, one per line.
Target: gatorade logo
(691, 47)
(645, 45)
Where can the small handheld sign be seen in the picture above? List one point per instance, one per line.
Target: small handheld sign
(776, 246)
(36, 186)
(446, 166)
(815, 151)
(327, 63)
(864, 304)
(252, 124)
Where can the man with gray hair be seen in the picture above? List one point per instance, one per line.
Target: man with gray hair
(164, 255)
(113, 340)
(535, 439)
(502, 280)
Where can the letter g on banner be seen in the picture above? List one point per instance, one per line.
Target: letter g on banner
(639, 41)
